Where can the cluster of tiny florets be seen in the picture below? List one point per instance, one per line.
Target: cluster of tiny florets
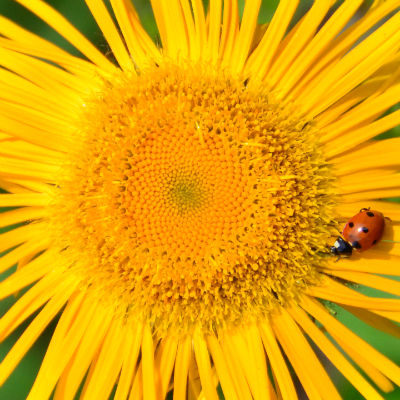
(193, 196)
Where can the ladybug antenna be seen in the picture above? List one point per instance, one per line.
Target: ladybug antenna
(335, 227)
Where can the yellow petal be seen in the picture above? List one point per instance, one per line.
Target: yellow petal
(374, 374)
(387, 367)
(289, 346)
(66, 338)
(374, 265)
(278, 363)
(256, 354)
(304, 33)
(288, 328)
(32, 272)
(235, 368)
(230, 29)
(149, 389)
(64, 28)
(109, 363)
(15, 255)
(182, 367)
(132, 349)
(373, 183)
(374, 281)
(106, 24)
(214, 35)
(86, 353)
(36, 328)
(340, 294)
(164, 364)
(20, 235)
(260, 60)
(29, 199)
(245, 37)
(31, 301)
(320, 41)
(204, 366)
(376, 321)
(333, 354)
(124, 13)
(221, 366)
(354, 67)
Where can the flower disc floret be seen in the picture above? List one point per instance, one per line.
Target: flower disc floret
(193, 196)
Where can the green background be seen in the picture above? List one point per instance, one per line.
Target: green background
(18, 385)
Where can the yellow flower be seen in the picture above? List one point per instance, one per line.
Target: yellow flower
(179, 206)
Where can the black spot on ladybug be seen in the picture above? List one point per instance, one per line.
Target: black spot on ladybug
(356, 245)
(370, 214)
(351, 224)
(365, 229)
(374, 242)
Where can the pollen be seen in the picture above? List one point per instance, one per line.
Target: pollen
(191, 196)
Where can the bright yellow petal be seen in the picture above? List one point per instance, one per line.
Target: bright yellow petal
(236, 370)
(374, 320)
(64, 28)
(36, 328)
(182, 367)
(387, 367)
(164, 364)
(11, 258)
(304, 33)
(204, 366)
(340, 294)
(31, 301)
(320, 41)
(260, 60)
(69, 332)
(353, 68)
(230, 30)
(288, 328)
(257, 355)
(333, 353)
(20, 235)
(339, 46)
(245, 37)
(109, 363)
(373, 183)
(359, 117)
(374, 281)
(123, 11)
(149, 389)
(106, 24)
(214, 35)
(289, 346)
(277, 362)
(374, 374)
(129, 362)
(385, 266)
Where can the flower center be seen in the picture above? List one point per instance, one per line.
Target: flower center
(192, 196)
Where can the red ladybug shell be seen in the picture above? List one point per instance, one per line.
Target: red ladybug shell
(364, 230)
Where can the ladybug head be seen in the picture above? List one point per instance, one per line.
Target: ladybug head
(341, 248)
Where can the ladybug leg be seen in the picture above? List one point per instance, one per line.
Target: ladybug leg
(388, 219)
(365, 209)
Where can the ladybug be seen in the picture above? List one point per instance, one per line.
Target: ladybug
(360, 233)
